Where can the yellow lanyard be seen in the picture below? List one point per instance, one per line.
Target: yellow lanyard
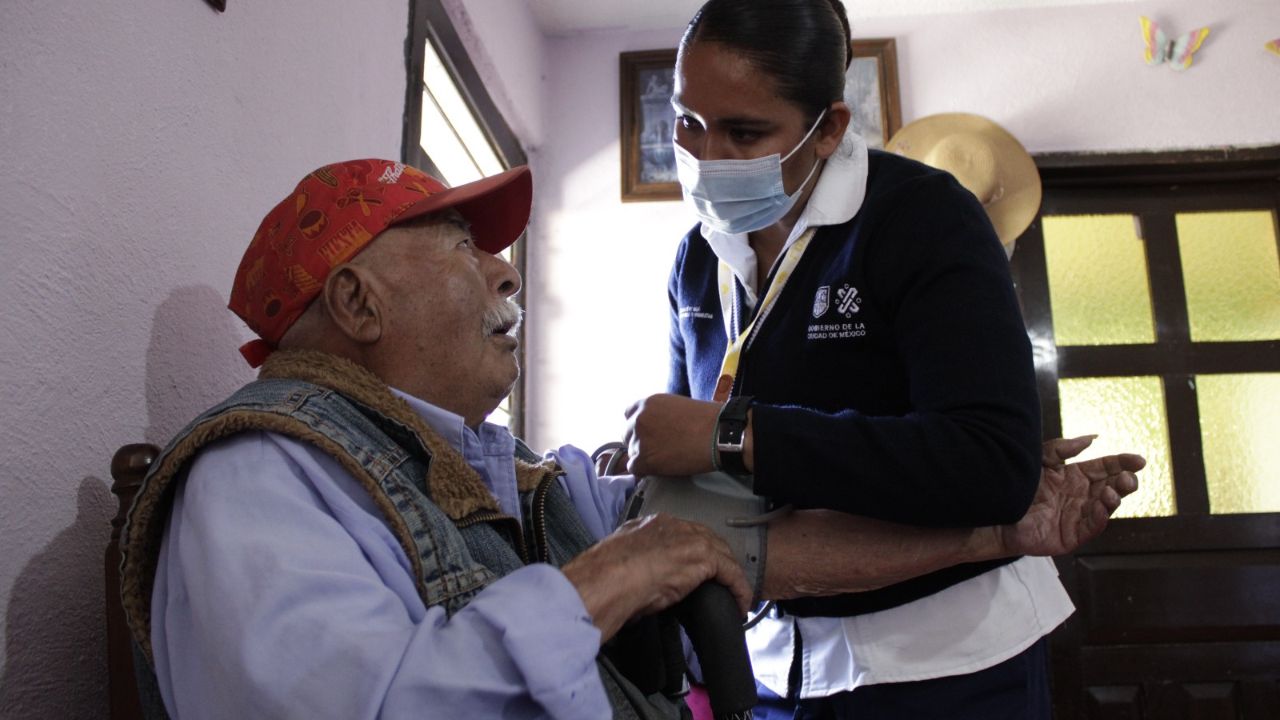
(729, 308)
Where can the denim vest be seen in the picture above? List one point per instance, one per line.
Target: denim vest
(447, 522)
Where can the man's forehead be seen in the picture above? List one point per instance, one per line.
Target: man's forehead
(449, 216)
(453, 216)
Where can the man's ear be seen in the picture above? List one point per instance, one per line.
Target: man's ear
(831, 131)
(352, 301)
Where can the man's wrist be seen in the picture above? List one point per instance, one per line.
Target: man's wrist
(985, 543)
(605, 593)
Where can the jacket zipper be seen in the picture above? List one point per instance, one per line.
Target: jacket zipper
(539, 519)
(541, 550)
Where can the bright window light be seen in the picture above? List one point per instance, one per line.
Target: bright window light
(450, 135)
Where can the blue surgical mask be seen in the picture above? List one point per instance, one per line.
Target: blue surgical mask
(739, 196)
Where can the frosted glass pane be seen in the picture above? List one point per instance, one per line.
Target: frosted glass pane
(1097, 280)
(1128, 415)
(1232, 275)
(1240, 431)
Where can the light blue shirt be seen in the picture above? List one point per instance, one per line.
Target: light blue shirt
(280, 592)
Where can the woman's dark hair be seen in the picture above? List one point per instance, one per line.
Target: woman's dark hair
(802, 44)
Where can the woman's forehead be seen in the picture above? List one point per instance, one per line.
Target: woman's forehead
(715, 82)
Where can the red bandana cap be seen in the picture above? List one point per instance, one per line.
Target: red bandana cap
(335, 212)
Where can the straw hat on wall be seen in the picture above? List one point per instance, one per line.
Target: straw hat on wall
(985, 159)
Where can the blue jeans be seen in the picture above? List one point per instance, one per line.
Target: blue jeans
(1015, 689)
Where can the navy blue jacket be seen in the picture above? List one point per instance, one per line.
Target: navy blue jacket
(893, 378)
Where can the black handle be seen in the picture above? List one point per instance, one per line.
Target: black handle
(711, 620)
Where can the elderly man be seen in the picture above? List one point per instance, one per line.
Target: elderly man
(346, 537)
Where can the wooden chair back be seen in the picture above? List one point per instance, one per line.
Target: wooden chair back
(128, 466)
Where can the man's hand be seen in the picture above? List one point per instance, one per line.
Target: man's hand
(650, 564)
(670, 435)
(1073, 502)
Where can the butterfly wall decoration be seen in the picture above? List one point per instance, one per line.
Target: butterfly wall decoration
(1177, 51)
(1273, 46)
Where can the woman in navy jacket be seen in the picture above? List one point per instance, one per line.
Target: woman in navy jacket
(879, 366)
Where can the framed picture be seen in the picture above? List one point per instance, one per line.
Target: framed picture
(871, 89)
(648, 161)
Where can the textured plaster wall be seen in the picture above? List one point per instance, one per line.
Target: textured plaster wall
(1067, 79)
(142, 141)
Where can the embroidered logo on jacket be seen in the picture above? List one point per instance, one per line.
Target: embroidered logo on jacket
(694, 313)
(821, 301)
(847, 304)
(849, 301)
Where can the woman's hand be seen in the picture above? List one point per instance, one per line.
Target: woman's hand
(671, 435)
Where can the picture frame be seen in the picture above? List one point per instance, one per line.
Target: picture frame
(871, 89)
(648, 160)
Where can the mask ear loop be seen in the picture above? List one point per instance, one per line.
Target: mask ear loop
(806, 137)
(816, 162)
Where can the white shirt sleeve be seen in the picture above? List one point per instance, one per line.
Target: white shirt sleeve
(598, 500)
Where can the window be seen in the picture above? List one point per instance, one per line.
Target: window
(1151, 290)
(453, 131)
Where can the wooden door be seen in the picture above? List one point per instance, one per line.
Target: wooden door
(1178, 611)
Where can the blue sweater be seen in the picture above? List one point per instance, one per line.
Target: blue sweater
(893, 378)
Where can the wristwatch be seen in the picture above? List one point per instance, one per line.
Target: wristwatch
(731, 432)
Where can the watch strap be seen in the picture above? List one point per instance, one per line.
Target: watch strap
(730, 435)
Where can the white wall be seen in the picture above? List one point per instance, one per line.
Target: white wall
(1068, 79)
(597, 271)
(142, 143)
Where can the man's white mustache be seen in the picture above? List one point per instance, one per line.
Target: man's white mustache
(506, 314)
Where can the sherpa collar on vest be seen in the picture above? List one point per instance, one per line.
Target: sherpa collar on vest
(452, 484)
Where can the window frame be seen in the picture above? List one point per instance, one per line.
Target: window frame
(430, 22)
(1153, 187)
